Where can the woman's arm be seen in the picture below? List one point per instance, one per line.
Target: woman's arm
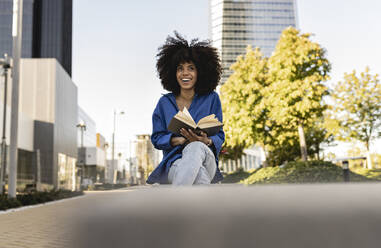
(191, 136)
(161, 138)
(176, 141)
(219, 138)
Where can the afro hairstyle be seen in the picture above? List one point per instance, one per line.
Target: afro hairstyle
(177, 50)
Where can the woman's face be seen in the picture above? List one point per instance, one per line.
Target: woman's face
(186, 75)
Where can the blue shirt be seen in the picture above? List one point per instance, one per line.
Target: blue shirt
(166, 108)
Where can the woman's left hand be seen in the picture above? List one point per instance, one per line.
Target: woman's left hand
(191, 136)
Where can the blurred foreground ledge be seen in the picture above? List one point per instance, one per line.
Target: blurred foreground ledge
(318, 215)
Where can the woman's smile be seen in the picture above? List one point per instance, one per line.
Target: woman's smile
(186, 75)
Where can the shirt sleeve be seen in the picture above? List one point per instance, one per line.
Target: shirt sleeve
(219, 138)
(161, 137)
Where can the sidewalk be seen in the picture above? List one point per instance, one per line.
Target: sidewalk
(328, 215)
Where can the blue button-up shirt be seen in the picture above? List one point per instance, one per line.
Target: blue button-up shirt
(202, 105)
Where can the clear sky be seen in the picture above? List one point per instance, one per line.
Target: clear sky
(115, 43)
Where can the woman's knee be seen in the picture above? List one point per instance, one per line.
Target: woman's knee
(195, 145)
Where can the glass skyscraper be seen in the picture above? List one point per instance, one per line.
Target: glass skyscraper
(235, 24)
(47, 30)
(6, 10)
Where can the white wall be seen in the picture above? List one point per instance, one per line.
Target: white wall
(95, 156)
(48, 94)
(38, 88)
(25, 123)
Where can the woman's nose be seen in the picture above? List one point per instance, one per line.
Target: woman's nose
(183, 74)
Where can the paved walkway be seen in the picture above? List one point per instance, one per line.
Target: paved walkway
(329, 215)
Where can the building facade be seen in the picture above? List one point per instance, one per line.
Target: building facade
(235, 24)
(49, 98)
(147, 157)
(47, 30)
(91, 149)
(90, 134)
(252, 158)
(6, 11)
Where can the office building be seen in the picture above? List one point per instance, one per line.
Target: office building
(47, 132)
(91, 149)
(147, 156)
(6, 11)
(47, 30)
(235, 24)
(90, 133)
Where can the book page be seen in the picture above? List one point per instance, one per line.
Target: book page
(186, 117)
(209, 121)
(209, 118)
(210, 124)
(186, 112)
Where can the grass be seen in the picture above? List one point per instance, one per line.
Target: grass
(371, 174)
(235, 177)
(302, 172)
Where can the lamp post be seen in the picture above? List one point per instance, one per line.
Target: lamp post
(4, 63)
(117, 169)
(16, 54)
(106, 145)
(113, 145)
(82, 127)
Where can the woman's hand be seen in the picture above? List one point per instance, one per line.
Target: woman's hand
(191, 136)
(175, 141)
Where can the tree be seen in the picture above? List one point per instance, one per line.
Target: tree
(287, 149)
(245, 114)
(297, 70)
(357, 108)
(316, 135)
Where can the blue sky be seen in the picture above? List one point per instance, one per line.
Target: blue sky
(115, 43)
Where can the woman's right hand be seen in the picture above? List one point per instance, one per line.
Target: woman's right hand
(175, 141)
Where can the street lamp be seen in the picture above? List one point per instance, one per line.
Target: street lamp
(82, 126)
(82, 157)
(113, 145)
(4, 63)
(106, 172)
(16, 54)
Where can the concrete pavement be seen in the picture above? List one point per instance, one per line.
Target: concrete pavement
(325, 215)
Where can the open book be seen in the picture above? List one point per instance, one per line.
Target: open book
(183, 119)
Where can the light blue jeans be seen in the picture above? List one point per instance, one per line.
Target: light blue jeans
(197, 165)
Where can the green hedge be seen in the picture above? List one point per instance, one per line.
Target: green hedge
(35, 198)
(301, 172)
(107, 186)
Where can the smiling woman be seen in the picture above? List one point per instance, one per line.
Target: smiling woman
(191, 73)
(186, 75)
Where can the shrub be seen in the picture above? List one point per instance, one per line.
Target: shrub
(302, 172)
(35, 198)
(6, 203)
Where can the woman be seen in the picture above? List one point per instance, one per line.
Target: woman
(191, 73)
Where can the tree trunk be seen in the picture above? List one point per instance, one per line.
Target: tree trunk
(266, 162)
(368, 158)
(318, 151)
(302, 141)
